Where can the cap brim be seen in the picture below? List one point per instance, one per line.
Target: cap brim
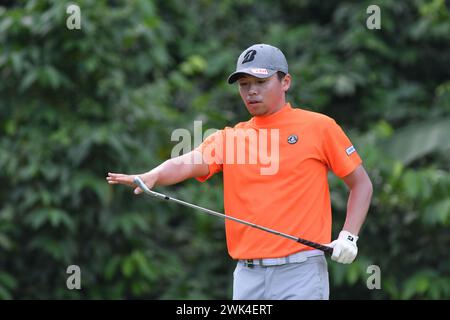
(238, 74)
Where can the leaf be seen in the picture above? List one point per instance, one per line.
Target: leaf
(5, 242)
(7, 280)
(111, 267)
(438, 213)
(128, 266)
(418, 284)
(127, 223)
(344, 86)
(4, 294)
(353, 273)
(144, 266)
(59, 217)
(5, 24)
(28, 80)
(86, 181)
(55, 248)
(194, 64)
(415, 141)
(411, 184)
(55, 217)
(17, 62)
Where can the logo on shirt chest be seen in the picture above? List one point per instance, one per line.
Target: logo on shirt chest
(293, 138)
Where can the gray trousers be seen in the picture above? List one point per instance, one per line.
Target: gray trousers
(306, 280)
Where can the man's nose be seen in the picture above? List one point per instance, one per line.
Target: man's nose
(252, 90)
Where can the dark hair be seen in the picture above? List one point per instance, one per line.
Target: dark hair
(280, 75)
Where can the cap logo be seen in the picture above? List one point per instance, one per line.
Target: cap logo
(259, 71)
(249, 56)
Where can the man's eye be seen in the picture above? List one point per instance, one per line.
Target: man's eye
(242, 84)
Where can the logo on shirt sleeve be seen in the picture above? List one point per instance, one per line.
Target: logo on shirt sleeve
(350, 150)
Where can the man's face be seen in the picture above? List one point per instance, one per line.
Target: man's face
(263, 96)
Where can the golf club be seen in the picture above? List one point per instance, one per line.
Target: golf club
(315, 245)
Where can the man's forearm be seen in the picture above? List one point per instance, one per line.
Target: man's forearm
(178, 169)
(357, 207)
(168, 173)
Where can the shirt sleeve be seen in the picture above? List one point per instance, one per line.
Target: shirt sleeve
(339, 153)
(212, 151)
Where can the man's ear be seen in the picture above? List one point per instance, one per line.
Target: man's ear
(286, 82)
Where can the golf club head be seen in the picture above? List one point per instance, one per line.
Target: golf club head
(142, 185)
(147, 190)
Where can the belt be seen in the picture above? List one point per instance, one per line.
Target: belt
(293, 258)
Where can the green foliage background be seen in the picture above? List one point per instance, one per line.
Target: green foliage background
(75, 104)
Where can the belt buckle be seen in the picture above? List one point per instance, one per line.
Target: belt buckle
(249, 263)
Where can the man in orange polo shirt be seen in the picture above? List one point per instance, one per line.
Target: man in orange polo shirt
(274, 170)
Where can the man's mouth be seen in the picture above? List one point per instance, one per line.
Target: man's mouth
(251, 102)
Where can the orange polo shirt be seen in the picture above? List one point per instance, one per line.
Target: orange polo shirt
(275, 175)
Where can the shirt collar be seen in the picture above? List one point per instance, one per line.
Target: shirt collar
(274, 117)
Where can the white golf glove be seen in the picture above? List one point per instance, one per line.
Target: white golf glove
(344, 247)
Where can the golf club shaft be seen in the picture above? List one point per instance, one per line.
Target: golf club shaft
(315, 245)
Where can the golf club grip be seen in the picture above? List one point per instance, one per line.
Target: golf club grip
(316, 245)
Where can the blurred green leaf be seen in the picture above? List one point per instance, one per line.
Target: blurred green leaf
(418, 140)
(56, 217)
(438, 213)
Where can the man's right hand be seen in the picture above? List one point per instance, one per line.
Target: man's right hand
(149, 178)
(172, 171)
